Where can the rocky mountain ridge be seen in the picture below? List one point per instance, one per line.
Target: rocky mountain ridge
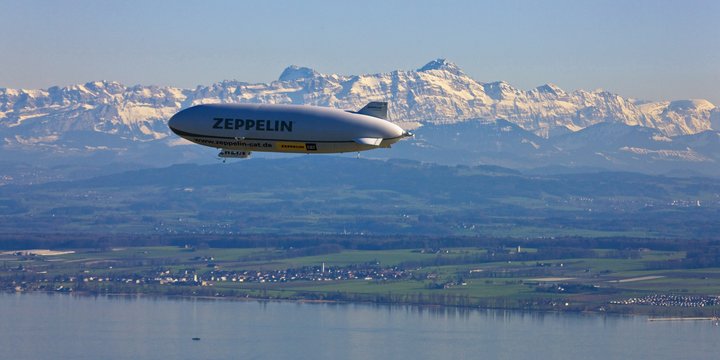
(437, 93)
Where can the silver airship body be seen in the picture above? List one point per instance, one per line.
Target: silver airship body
(238, 129)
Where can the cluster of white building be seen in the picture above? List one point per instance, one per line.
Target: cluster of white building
(671, 300)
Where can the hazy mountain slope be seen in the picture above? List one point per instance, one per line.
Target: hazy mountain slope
(609, 146)
(333, 195)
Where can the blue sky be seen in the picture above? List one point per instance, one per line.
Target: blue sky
(645, 49)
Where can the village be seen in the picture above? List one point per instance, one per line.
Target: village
(193, 277)
(313, 273)
(690, 301)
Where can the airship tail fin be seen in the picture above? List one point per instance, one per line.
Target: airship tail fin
(377, 109)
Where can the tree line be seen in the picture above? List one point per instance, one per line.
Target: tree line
(331, 242)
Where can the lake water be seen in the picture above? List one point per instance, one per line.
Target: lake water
(53, 326)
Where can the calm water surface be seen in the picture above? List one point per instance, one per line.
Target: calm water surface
(49, 326)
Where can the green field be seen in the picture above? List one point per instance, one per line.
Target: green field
(577, 284)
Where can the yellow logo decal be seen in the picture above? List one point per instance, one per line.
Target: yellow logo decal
(291, 146)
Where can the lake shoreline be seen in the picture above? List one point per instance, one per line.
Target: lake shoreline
(652, 313)
(137, 326)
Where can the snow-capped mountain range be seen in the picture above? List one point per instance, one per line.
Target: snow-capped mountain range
(439, 92)
(107, 116)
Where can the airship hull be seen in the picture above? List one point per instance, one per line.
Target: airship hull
(283, 128)
(274, 145)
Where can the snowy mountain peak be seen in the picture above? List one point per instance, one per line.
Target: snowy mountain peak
(441, 64)
(551, 89)
(294, 73)
(691, 104)
(500, 90)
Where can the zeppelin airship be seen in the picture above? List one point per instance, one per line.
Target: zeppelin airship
(239, 129)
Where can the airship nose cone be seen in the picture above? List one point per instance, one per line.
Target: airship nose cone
(176, 122)
(172, 123)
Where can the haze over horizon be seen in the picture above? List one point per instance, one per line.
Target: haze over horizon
(654, 50)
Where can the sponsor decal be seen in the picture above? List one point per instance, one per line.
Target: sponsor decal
(234, 143)
(290, 146)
